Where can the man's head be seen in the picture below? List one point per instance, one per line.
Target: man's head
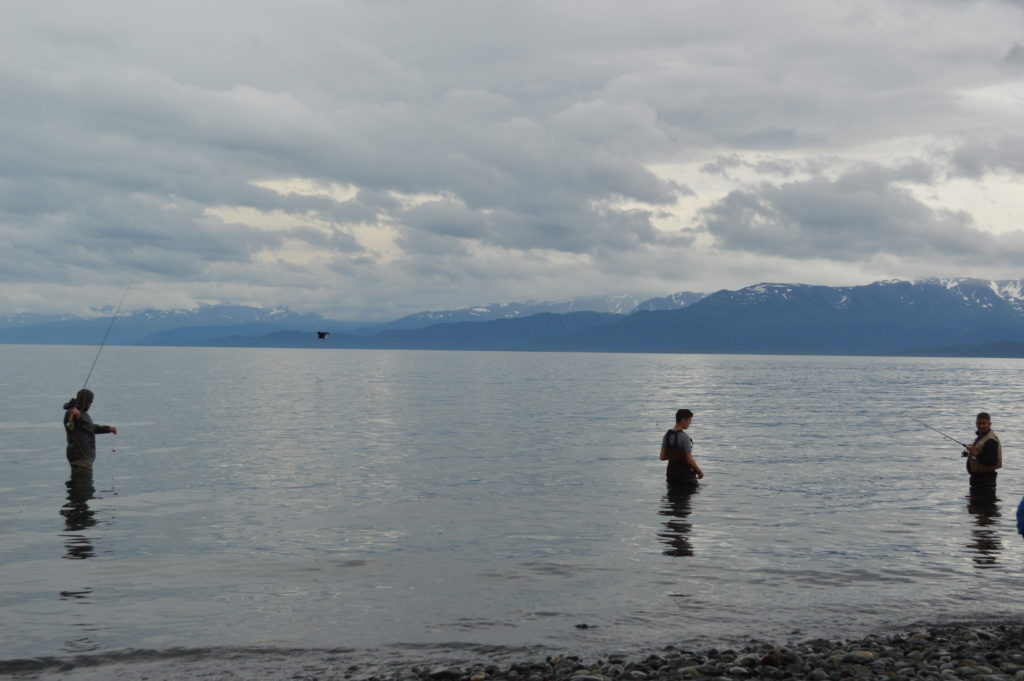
(83, 399)
(983, 422)
(684, 415)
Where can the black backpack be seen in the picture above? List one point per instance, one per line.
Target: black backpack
(673, 451)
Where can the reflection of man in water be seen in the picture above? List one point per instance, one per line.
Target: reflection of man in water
(77, 514)
(677, 449)
(677, 506)
(983, 504)
(81, 431)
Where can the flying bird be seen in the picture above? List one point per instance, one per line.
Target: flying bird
(322, 334)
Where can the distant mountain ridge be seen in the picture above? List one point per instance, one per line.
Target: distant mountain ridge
(497, 334)
(672, 302)
(615, 304)
(938, 316)
(886, 317)
(133, 328)
(210, 324)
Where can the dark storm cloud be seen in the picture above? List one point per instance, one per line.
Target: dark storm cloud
(976, 158)
(447, 218)
(722, 164)
(778, 167)
(1014, 57)
(763, 166)
(114, 237)
(545, 227)
(866, 212)
(160, 137)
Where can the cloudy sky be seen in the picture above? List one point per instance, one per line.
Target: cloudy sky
(369, 159)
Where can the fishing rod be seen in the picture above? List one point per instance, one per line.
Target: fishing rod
(70, 423)
(109, 327)
(940, 433)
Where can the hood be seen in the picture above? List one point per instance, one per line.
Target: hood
(82, 400)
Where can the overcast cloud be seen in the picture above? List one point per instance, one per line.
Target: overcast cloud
(369, 159)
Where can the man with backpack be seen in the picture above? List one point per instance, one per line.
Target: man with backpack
(677, 449)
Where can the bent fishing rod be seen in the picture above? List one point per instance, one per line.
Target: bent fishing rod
(70, 423)
(109, 327)
(940, 433)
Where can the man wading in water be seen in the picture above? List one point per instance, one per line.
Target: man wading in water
(985, 456)
(677, 449)
(81, 431)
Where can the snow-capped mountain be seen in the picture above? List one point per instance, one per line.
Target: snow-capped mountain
(615, 304)
(924, 316)
(672, 302)
(979, 293)
(1010, 291)
(880, 318)
(623, 304)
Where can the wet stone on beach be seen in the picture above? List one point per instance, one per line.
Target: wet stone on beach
(949, 652)
(960, 652)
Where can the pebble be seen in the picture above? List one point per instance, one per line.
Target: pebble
(960, 652)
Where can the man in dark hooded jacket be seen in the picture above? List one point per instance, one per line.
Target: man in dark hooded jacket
(81, 431)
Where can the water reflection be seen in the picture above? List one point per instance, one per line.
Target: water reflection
(78, 516)
(985, 541)
(677, 507)
(83, 643)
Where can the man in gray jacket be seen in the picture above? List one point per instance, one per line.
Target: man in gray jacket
(81, 431)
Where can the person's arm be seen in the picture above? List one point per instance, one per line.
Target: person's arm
(70, 416)
(693, 465)
(100, 430)
(663, 456)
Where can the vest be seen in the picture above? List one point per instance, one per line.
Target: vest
(975, 466)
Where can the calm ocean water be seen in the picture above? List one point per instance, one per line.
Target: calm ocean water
(437, 502)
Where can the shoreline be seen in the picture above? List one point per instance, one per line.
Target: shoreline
(984, 651)
(974, 650)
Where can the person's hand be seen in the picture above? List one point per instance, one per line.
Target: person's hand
(113, 429)
(75, 413)
(700, 475)
(972, 450)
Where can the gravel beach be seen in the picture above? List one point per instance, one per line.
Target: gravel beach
(948, 652)
(980, 652)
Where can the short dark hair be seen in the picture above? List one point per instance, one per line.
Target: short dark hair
(683, 414)
(984, 415)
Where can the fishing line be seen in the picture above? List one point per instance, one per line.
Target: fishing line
(109, 326)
